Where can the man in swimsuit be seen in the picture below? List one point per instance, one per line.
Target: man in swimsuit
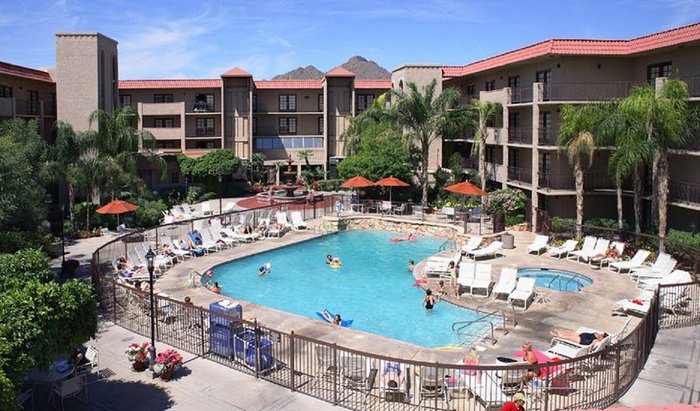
(578, 338)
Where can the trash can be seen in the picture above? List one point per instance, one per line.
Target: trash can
(508, 241)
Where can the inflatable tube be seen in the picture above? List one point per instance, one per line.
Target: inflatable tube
(449, 348)
(420, 281)
(335, 265)
(343, 323)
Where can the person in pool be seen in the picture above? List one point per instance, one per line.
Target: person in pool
(407, 237)
(262, 271)
(329, 259)
(337, 320)
(215, 288)
(429, 299)
(336, 262)
(411, 265)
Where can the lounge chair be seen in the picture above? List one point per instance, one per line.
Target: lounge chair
(215, 234)
(676, 277)
(196, 237)
(601, 247)
(230, 206)
(539, 245)
(471, 245)
(490, 250)
(671, 301)
(564, 249)
(483, 280)
(386, 207)
(206, 208)
(180, 254)
(357, 375)
(244, 238)
(298, 222)
(208, 239)
(524, 291)
(568, 349)
(506, 284)
(430, 385)
(662, 267)
(618, 246)
(467, 274)
(588, 246)
(437, 267)
(281, 217)
(636, 262)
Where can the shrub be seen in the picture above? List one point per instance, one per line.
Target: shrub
(507, 200)
(208, 196)
(513, 219)
(149, 213)
(561, 225)
(604, 222)
(13, 241)
(330, 185)
(683, 244)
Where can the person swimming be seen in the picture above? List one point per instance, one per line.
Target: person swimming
(262, 271)
(411, 265)
(429, 299)
(329, 259)
(407, 237)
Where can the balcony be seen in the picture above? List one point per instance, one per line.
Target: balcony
(521, 95)
(28, 107)
(693, 85)
(684, 192)
(598, 181)
(7, 106)
(585, 91)
(493, 135)
(549, 181)
(547, 136)
(165, 133)
(520, 174)
(201, 107)
(162, 109)
(204, 132)
(520, 135)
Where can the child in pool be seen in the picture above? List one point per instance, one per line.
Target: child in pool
(329, 259)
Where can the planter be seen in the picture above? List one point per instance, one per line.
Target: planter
(70, 267)
(167, 375)
(139, 366)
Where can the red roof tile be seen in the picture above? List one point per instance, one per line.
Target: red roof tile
(340, 72)
(24, 72)
(236, 72)
(633, 46)
(184, 83)
(373, 84)
(298, 84)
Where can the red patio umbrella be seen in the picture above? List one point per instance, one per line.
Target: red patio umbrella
(466, 188)
(357, 182)
(117, 207)
(391, 182)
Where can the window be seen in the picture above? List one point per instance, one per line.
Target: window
(204, 102)
(162, 98)
(658, 70)
(255, 102)
(364, 101)
(270, 143)
(513, 157)
(543, 76)
(514, 81)
(545, 120)
(490, 85)
(255, 126)
(288, 125)
(490, 154)
(471, 90)
(545, 163)
(288, 102)
(163, 123)
(320, 102)
(125, 100)
(5, 92)
(33, 105)
(320, 125)
(513, 120)
(174, 177)
(205, 127)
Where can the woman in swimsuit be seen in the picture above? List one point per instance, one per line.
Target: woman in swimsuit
(429, 299)
(392, 375)
(578, 338)
(530, 358)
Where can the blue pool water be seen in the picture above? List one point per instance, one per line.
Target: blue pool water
(558, 280)
(373, 287)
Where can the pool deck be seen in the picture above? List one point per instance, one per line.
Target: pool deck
(590, 308)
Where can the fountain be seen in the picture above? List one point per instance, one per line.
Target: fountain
(290, 178)
(287, 191)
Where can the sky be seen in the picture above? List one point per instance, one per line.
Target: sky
(202, 39)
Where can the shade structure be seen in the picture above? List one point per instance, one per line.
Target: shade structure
(391, 182)
(117, 207)
(466, 188)
(357, 182)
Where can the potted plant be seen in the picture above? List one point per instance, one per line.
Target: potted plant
(138, 355)
(167, 363)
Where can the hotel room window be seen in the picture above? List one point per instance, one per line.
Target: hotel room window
(658, 70)
(5, 92)
(163, 123)
(288, 125)
(364, 101)
(205, 127)
(204, 102)
(490, 85)
(288, 102)
(125, 100)
(162, 98)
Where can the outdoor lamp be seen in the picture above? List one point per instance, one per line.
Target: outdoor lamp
(150, 256)
(221, 178)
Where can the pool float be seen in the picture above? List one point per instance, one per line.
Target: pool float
(420, 281)
(449, 348)
(328, 317)
(333, 265)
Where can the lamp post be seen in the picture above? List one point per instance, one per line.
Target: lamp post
(63, 243)
(150, 256)
(221, 177)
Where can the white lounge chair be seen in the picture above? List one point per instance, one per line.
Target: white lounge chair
(676, 277)
(208, 239)
(472, 244)
(601, 247)
(215, 234)
(618, 246)
(483, 280)
(298, 222)
(588, 246)
(179, 253)
(663, 266)
(568, 349)
(490, 250)
(506, 284)
(539, 245)
(272, 230)
(206, 208)
(636, 262)
(564, 249)
(524, 291)
(244, 238)
(281, 217)
(467, 273)
(228, 207)
(437, 267)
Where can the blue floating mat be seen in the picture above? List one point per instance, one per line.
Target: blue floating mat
(343, 323)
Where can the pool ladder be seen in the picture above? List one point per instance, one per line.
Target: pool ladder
(559, 277)
(487, 317)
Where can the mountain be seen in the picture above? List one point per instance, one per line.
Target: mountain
(363, 69)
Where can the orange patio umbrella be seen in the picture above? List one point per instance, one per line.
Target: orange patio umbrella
(391, 182)
(117, 207)
(466, 188)
(357, 182)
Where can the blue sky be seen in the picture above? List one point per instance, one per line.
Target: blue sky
(202, 39)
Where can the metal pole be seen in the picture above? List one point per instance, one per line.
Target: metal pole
(149, 258)
(220, 208)
(63, 244)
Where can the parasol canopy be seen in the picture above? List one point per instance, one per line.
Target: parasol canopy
(117, 207)
(466, 188)
(357, 182)
(391, 182)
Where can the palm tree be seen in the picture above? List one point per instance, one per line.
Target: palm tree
(426, 117)
(377, 113)
(657, 122)
(484, 111)
(576, 139)
(62, 157)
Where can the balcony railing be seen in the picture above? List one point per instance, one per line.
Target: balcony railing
(547, 136)
(520, 174)
(556, 181)
(28, 107)
(693, 85)
(597, 181)
(520, 135)
(203, 107)
(49, 108)
(686, 192)
(585, 91)
(521, 95)
(204, 131)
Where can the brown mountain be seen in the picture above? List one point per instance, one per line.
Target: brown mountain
(363, 69)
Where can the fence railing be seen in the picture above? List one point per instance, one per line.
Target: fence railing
(587, 91)
(687, 192)
(520, 174)
(521, 95)
(556, 181)
(520, 135)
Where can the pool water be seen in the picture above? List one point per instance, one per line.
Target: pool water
(558, 280)
(373, 287)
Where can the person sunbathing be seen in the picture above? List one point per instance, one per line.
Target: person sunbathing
(611, 252)
(188, 246)
(392, 375)
(578, 338)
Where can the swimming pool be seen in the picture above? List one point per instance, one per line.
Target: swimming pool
(373, 287)
(558, 280)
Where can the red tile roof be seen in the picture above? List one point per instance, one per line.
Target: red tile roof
(298, 84)
(340, 72)
(236, 72)
(630, 47)
(373, 84)
(183, 83)
(25, 72)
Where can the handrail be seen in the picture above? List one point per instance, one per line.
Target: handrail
(556, 277)
(503, 315)
(444, 245)
(578, 282)
(482, 319)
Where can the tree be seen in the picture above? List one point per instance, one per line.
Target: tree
(455, 164)
(210, 166)
(576, 138)
(426, 117)
(483, 111)
(376, 113)
(41, 318)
